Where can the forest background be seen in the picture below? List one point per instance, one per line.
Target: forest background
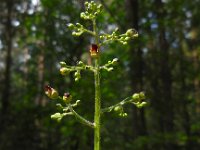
(163, 62)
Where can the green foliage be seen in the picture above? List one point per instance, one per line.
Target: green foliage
(163, 61)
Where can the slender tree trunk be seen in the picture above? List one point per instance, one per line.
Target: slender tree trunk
(185, 113)
(197, 82)
(165, 76)
(137, 66)
(40, 95)
(7, 75)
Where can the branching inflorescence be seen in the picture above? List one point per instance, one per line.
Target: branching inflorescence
(65, 102)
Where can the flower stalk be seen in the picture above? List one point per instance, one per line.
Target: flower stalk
(65, 102)
(97, 114)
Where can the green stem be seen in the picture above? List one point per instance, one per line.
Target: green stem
(97, 115)
(81, 119)
(121, 103)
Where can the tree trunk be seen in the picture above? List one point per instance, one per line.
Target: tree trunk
(136, 68)
(8, 42)
(165, 76)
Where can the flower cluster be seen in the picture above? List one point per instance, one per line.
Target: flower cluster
(92, 10)
(65, 101)
(121, 38)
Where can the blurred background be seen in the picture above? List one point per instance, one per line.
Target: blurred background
(163, 62)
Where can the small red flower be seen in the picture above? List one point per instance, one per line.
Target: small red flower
(51, 92)
(48, 90)
(67, 97)
(94, 50)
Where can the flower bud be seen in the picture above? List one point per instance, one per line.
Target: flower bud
(57, 116)
(80, 63)
(82, 15)
(142, 95)
(100, 7)
(51, 93)
(127, 38)
(122, 114)
(140, 105)
(132, 33)
(62, 63)
(71, 26)
(77, 75)
(110, 69)
(94, 52)
(115, 61)
(67, 97)
(64, 71)
(124, 43)
(54, 94)
(136, 97)
(143, 104)
(102, 37)
(79, 25)
(118, 108)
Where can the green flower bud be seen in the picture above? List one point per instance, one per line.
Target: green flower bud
(79, 25)
(77, 75)
(62, 63)
(74, 33)
(124, 43)
(80, 63)
(67, 97)
(118, 108)
(115, 61)
(102, 37)
(82, 15)
(77, 33)
(64, 71)
(100, 7)
(132, 33)
(121, 38)
(143, 104)
(71, 26)
(54, 94)
(127, 38)
(57, 116)
(140, 105)
(86, 4)
(142, 95)
(90, 16)
(123, 114)
(110, 69)
(136, 97)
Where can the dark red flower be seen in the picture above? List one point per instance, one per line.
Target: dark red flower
(47, 88)
(51, 92)
(67, 97)
(94, 50)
